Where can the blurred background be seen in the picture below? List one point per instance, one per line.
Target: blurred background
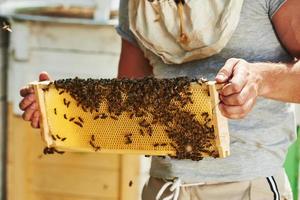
(65, 38)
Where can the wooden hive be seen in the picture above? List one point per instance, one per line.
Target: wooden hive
(68, 127)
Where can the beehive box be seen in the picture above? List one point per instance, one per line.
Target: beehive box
(174, 117)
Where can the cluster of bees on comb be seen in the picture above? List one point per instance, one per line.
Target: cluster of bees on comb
(152, 101)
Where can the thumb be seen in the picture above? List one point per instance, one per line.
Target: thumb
(226, 71)
(44, 76)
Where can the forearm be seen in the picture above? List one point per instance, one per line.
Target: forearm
(279, 81)
(244, 82)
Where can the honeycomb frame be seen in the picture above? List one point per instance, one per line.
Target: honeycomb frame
(76, 141)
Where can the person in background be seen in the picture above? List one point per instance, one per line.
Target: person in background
(253, 47)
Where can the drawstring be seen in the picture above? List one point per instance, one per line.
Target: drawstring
(183, 37)
(175, 188)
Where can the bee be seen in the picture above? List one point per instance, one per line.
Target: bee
(154, 121)
(51, 150)
(131, 115)
(92, 144)
(61, 92)
(172, 145)
(63, 139)
(83, 108)
(97, 149)
(96, 117)
(80, 119)
(212, 129)
(190, 100)
(50, 84)
(53, 137)
(78, 124)
(189, 93)
(114, 117)
(140, 114)
(55, 111)
(6, 27)
(128, 140)
(47, 150)
(71, 119)
(142, 132)
(205, 115)
(156, 145)
(208, 120)
(207, 145)
(130, 183)
(128, 135)
(150, 131)
(103, 116)
(57, 151)
(144, 123)
(65, 116)
(57, 136)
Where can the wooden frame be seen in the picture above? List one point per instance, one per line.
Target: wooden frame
(219, 122)
(38, 89)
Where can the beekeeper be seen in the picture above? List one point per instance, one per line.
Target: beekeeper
(250, 45)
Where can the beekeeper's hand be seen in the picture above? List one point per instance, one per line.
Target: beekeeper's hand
(242, 85)
(29, 105)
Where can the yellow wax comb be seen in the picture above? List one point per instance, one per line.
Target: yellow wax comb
(193, 128)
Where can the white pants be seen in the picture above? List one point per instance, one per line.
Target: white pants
(276, 187)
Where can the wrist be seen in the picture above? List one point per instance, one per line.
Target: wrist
(268, 75)
(259, 78)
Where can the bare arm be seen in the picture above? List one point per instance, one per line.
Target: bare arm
(280, 81)
(286, 22)
(132, 63)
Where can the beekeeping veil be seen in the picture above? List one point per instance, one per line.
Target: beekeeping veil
(180, 31)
